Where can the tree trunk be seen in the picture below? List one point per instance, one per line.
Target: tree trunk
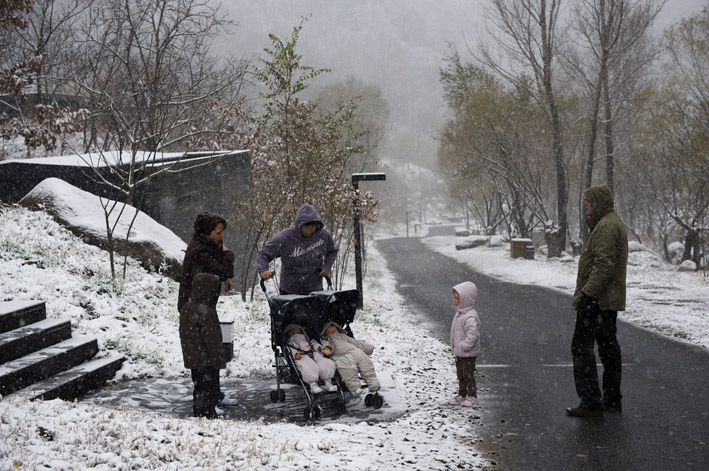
(562, 196)
(692, 249)
(610, 145)
(556, 242)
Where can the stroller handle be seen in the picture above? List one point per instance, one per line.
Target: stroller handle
(263, 285)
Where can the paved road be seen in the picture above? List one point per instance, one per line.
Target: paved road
(527, 380)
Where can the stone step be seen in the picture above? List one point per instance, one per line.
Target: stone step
(30, 338)
(16, 314)
(76, 381)
(29, 369)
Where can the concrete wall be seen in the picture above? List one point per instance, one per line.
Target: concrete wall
(173, 199)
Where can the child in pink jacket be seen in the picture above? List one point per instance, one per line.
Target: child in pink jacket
(465, 342)
(310, 360)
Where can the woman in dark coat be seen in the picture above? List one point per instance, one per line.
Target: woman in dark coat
(206, 253)
(201, 339)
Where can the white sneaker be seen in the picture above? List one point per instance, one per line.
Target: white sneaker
(358, 392)
(228, 401)
(218, 410)
(331, 386)
(315, 388)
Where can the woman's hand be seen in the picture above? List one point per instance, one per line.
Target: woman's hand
(298, 356)
(267, 275)
(228, 285)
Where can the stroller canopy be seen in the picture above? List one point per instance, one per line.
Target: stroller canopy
(337, 306)
(295, 309)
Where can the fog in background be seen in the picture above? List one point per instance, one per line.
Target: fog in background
(398, 45)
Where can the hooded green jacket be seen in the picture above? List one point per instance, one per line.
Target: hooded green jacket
(604, 259)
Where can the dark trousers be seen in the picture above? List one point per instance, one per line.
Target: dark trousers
(465, 369)
(596, 327)
(206, 393)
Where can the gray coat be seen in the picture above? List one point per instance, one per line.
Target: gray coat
(351, 356)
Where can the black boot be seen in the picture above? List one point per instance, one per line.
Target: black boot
(585, 411)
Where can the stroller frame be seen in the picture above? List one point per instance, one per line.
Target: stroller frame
(305, 311)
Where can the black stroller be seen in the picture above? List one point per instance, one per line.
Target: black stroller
(303, 310)
(311, 312)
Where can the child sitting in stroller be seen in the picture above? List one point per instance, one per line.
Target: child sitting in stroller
(351, 356)
(310, 360)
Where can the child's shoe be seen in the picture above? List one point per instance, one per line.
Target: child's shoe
(331, 386)
(228, 401)
(468, 402)
(358, 392)
(218, 411)
(454, 401)
(315, 388)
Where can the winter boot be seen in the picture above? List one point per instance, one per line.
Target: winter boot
(331, 386)
(315, 388)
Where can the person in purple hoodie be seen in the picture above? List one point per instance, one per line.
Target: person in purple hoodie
(307, 252)
(465, 342)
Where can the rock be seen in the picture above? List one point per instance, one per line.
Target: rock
(151, 243)
(687, 265)
(472, 242)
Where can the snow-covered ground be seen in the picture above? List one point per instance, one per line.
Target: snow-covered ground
(136, 317)
(659, 297)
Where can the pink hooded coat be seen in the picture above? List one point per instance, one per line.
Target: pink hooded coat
(465, 329)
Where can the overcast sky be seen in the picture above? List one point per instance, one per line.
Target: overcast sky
(398, 45)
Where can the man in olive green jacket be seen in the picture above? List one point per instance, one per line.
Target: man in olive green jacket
(599, 295)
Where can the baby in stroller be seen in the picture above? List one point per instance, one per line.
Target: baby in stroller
(310, 359)
(351, 356)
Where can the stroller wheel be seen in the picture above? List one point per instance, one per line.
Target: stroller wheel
(312, 413)
(274, 396)
(377, 401)
(340, 407)
(368, 400)
(282, 395)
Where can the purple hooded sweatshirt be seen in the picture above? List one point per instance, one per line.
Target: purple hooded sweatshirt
(465, 329)
(301, 258)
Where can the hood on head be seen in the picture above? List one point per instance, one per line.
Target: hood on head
(204, 285)
(306, 214)
(291, 326)
(468, 293)
(339, 329)
(601, 199)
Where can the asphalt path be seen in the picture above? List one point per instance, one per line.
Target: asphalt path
(525, 378)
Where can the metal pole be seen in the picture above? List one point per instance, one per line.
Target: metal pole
(357, 248)
(356, 178)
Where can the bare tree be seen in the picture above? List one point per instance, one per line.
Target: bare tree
(154, 87)
(500, 135)
(526, 31)
(614, 54)
(48, 33)
(39, 125)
